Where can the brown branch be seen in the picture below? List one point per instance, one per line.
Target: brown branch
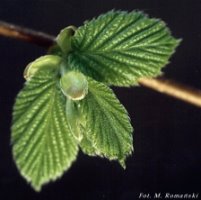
(162, 85)
(173, 89)
(28, 35)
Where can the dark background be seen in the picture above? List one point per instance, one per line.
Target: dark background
(167, 136)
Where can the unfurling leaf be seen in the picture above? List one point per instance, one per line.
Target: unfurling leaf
(108, 129)
(43, 147)
(118, 47)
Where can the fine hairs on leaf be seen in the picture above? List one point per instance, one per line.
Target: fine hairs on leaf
(66, 103)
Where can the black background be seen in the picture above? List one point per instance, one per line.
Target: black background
(167, 136)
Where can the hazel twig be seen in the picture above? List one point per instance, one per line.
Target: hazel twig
(25, 34)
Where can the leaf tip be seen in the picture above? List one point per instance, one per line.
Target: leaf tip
(178, 41)
(122, 163)
(37, 188)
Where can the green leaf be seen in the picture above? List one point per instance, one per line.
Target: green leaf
(108, 129)
(118, 47)
(43, 147)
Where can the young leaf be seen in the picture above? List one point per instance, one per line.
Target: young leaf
(77, 124)
(43, 147)
(118, 47)
(108, 129)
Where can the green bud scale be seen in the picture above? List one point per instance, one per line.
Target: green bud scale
(74, 85)
(51, 62)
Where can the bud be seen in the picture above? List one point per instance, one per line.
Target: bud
(74, 85)
(51, 62)
(64, 38)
